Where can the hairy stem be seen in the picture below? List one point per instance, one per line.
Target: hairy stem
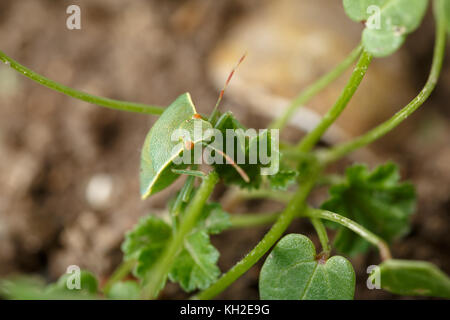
(314, 136)
(297, 204)
(158, 274)
(355, 227)
(261, 219)
(341, 150)
(315, 88)
(252, 220)
(279, 196)
(104, 102)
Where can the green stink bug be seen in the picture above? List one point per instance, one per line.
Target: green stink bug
(160, 150)
(158, 166)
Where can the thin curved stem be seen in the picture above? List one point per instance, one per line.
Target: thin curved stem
(355, 227)
(157, 276)
(261, 219)
(309, 141)
(341, 150)
(315, 88)
(297, 204)
(322, 233)
(252, 220)
(104, 102)
(279, 196)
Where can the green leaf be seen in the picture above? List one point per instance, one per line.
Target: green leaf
(32, 288)
(127, 290)
(381, 44)
(195, 267)
(292, 271)
(403, 14)
(282, 179)
(228, 121)
(213, 219)
(376, 200)
(88, 284)
(246, 148)
(387, 28)
(412, 278)
(357, 10)
(159, 151)
(145, 243)
(227, 173)
(22, 288)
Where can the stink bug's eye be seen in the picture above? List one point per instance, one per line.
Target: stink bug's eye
(188, 145)
(196, 116)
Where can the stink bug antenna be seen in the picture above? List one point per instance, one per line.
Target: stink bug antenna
(222, 92)
(230, 160)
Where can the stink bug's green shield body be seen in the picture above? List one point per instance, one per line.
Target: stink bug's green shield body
(159, 151)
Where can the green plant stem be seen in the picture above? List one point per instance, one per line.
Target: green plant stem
(252, 219)
(121, 272)
(279, 196)
(189, 172)
(330, 179)
(261, 219)
(183, 195)
(341, 150)
(315, 88)
(308, 142)
(297, 204)
(355, 227)
(158, 274)
(258, 219)
(322, 233)
(104, 102)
